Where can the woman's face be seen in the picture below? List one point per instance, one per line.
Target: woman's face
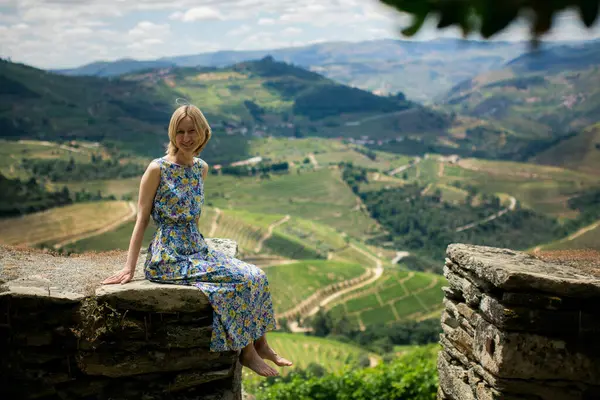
(187, 138)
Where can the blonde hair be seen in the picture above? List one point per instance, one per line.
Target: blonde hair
(200, 123)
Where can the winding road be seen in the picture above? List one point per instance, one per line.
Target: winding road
(511, 207)
(377, 273)
(404, 167)
(269, 233)
(214, 224)
(107, 228)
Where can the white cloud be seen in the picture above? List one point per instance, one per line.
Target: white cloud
(148, 30)
(291, 31)
(241, 30)
(202, 13)
(81, 31)
(266, 21)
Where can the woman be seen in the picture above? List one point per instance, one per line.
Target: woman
(172, 192)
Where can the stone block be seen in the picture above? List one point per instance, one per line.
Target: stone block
(144, 295)
(529, 356)
(454, 380)
(122, 364)
(514, 271)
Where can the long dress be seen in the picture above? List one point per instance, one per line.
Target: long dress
(178, 254)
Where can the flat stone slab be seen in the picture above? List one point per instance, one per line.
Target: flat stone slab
(517, 271)
(35, 273)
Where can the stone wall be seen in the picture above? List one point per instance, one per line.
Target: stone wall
(63, 336)
(516, 327)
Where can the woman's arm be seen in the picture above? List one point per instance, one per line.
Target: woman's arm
(204, 171)
(148, 188)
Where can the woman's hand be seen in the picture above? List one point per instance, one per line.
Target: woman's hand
(121, 277)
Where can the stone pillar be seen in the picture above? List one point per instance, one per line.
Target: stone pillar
(62, 336)
(516, 327)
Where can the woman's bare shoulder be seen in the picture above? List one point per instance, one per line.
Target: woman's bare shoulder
(153, 168)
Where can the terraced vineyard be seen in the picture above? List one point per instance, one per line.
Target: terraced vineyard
(319, 196)
(292, 283)
(303, 350)
(233, 225)
(117, 239)
(397, 295)
(541, 188)
(61, 223)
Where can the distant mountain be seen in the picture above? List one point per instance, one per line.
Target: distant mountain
(114, 68)
(421, 70)
(535, 100)
(253, 98)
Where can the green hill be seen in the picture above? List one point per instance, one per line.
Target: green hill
(421, 70)
(535, 101)
(246, 100)
(579, 152)
(280, 97)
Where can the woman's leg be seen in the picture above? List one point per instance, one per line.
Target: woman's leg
(266, 352)
(250, 359)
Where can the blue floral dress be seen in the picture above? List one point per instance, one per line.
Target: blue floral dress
(238, 291)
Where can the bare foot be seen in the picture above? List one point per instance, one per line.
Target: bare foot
(250, 359)
(267, 353)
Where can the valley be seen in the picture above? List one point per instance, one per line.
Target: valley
(347, 198)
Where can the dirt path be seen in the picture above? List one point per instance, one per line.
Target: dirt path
(376, 117)
(404, 167)
(107, 228)
(313, 160)
(267, 235)
(305, 311)
(51, 144)
(427, 189)
(583, 230)
(399, 256)
(441, 169)
(572, 236)
(511, 207)
(213, 226)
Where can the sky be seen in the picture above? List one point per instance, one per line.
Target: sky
(71, 33)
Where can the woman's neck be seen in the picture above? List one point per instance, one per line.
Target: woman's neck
(183, 158)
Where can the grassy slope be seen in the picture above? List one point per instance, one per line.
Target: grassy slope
(581, 152)
(292, 283)
(61, 223)
(319, 196)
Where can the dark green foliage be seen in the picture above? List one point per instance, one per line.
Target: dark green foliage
(398, 333)
(332, 100)
(378, 338)
(11, 87)
(489, 17)
(253, 170)
(268, 67)
(63, 170)
(422, 264)
(427, 225)
(20, 197)
(413, 377)
(519, 83)
(255, 110)
(588, 204)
